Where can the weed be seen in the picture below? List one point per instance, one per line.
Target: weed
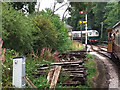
(89, 56)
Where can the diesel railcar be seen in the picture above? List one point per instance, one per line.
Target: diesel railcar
(114, 40)
(93, 35)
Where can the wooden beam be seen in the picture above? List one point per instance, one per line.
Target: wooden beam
(50, 75)
(55, 77)
(62, 63)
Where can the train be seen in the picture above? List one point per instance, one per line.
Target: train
(114, 40)
(93, 35)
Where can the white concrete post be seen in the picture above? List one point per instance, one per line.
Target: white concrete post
(18, 72)
(101, 29)
(86, 33)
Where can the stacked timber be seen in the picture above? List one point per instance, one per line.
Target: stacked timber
(72, 65)
(73, 56)
(76, 70)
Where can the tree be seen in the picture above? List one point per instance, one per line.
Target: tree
(99, 11)
(33, 32)
(57, 35)
(20, 5)
(112, 14)
(44, 34)
(75, 16)
(16, 30)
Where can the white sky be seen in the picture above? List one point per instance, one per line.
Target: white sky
(50, 3)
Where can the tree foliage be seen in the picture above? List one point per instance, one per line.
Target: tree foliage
(44, 33)
(34, 31)
(52, 29)
(75, 16)
(112, 14)
(16, 30)
(30, 6)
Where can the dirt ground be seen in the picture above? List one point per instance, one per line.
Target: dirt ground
(102, 77)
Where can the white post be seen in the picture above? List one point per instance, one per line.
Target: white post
(101, 29)
(19, 72)
(86, 33)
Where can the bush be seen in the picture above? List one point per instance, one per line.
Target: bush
(50, 32)
(44, 34)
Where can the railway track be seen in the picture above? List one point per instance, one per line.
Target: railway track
(111, 67)
(101, 50)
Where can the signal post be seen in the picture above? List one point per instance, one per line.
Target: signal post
(82, 12)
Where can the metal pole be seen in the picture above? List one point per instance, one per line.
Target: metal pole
(81, 33)
(86, 34)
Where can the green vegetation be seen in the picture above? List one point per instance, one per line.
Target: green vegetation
(7, 68)
(41, 82)
(31, 66)
(89, 56)
(33, 32)
(90, 64)
(40, 37)
(20, 5)
(28, 35)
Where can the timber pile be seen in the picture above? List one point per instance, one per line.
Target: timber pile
(73, 56)
(75, 69)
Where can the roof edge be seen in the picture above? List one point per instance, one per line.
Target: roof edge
(117, 24)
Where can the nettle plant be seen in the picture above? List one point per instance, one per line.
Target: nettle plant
(2, 51)
(47, 55)
(7, 67)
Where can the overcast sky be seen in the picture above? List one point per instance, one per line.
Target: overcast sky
(50, 3)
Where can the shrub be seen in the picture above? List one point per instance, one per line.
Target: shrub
(44, 34)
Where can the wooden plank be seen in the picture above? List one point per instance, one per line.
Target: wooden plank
(63, 63)
(27, 82)
(30, 82)
(78, 69)
(43, 68)
(50, 74)
(75, 67)
(55, 77)
(77, 75)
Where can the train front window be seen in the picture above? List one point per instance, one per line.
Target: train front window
(90, 33)
(96, 33)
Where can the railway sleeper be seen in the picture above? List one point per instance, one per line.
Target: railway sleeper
(78, 66)
(77, 79)
(72, 69)
(71, 82)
